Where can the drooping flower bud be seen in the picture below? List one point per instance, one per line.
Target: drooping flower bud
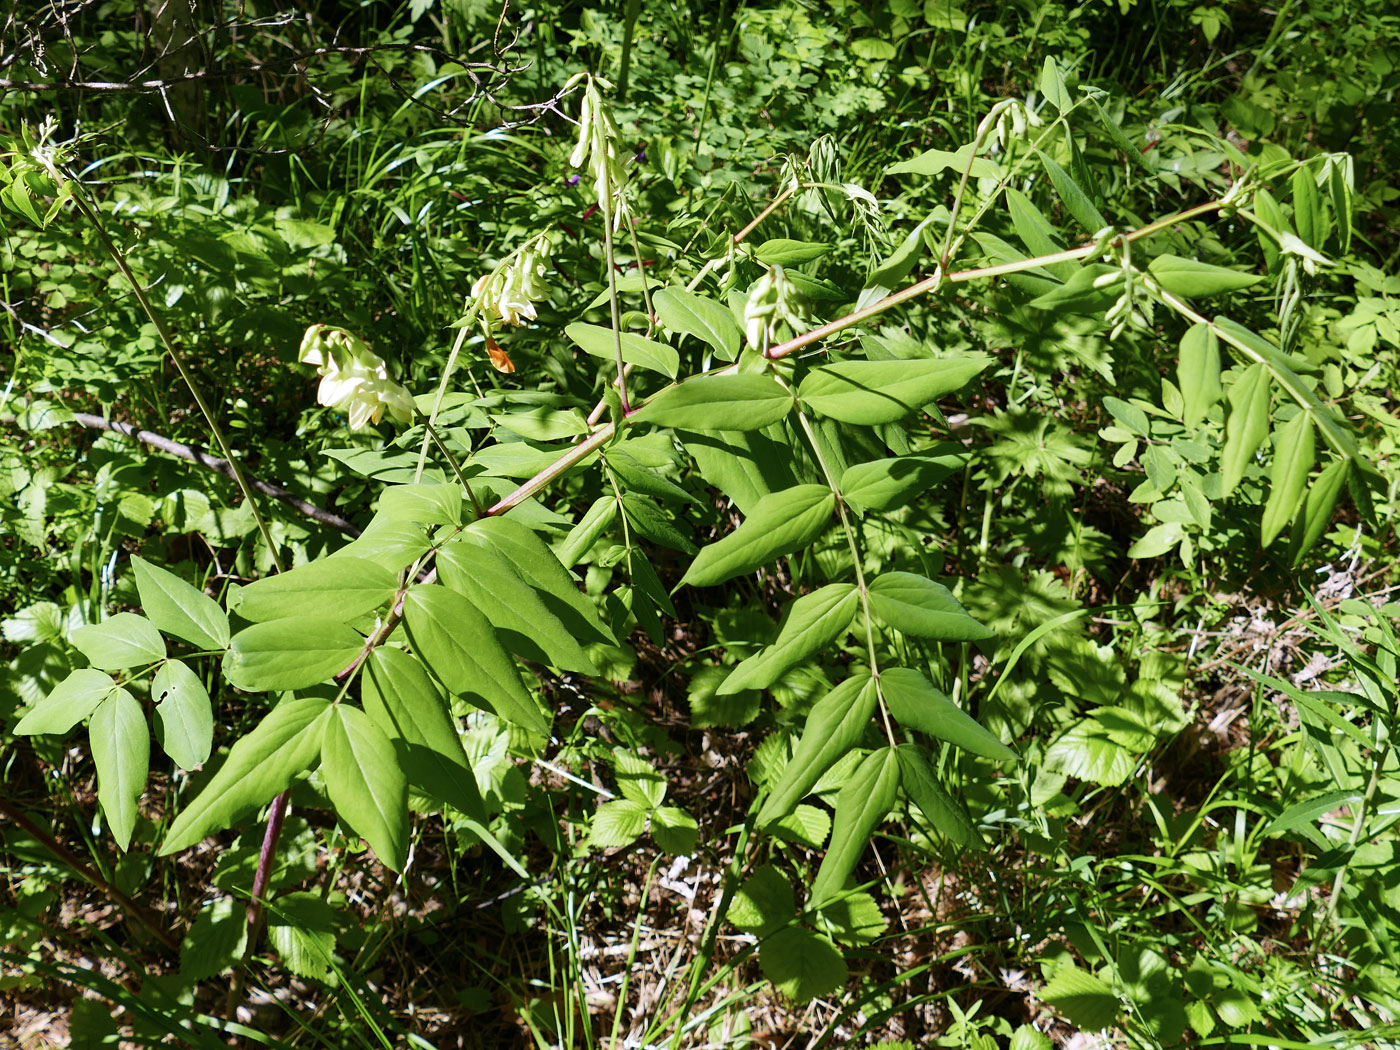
(353, 377)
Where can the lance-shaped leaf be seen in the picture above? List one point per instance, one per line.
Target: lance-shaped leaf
(1081, 294)
(121, 752)
(865, 800)
(179, 609)
(1191, 279)
(834, 726)
(1247, 426)
(340, 588)
(644, 353)
(682, 311)
(918, 606)
(1317, 511)
(120, 641)
(917, 704)
(366, 785)
(184, 715)
(871, 392)
(458, 645)
(537, 565)
(584, 535)
(719, 402)
(1293, 462)
(781, 522)
(1198, 372)
(920, 783)
(811, 624)
(290, 654)
(68, 703)
(259, 767)
(524, 623)
(781, 251)
(890, 483)
(1073, 197)
(402, 700)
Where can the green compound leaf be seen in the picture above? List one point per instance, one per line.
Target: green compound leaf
(290, 654)
(1198, 373)
(718, 402)
(120, 641)
(835, 725)
(764, 903)
(811, 624)
(860, 807)
(402, 700)
(1247, 426)
(259, 767)
(920, 783)
(1083, 998)
(367, 787)
(917, 704)
(121, 752)
(458, 645)
(888, 484)
(783, 252)
(802, 964)
(1294, 454)
(341, 588)
(871, 392)
(599, 342)
(179, 609)
(184, 715)
(781, 523)
(682, 311)
(916, 605)
(524, 623)
(1191, 279)
(68, 703)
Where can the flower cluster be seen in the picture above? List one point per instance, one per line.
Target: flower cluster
(772, 300)
(597, 151)
(509, 294)
(353, 377)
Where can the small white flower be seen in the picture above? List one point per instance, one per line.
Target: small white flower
(353, 378)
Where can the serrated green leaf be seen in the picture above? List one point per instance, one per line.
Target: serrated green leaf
(341, 588)
(920, 783)
(1191, 279)
(402, 700)
(807, 825)
(638, 779)
(184, 715)
(1198, 372)
(537, 565)
(781, 523)
(764, 903)
(523, 622)
(121, 753)
(1247, 426)
(179, 609)
(290, 654)
(860, 807)
(617, 823)
(301, 927)
(779, 251)
(457, 644)
(1088, 751)
(853, 919)
(259, 767)
(718, 402)
(120, 641)
(917, 606)
(1293, 462)
(597, 341)
(801, 964)
(834, 726)
(917, 704)
(68, 703)
(1083, 998)
(810, 624)
(368, 789)
(681, 311)
(674, 830)
(873, 392)
(216, 941)
(890, 483)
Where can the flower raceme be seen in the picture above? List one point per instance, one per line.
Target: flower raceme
(353, 377)
(509, 295)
